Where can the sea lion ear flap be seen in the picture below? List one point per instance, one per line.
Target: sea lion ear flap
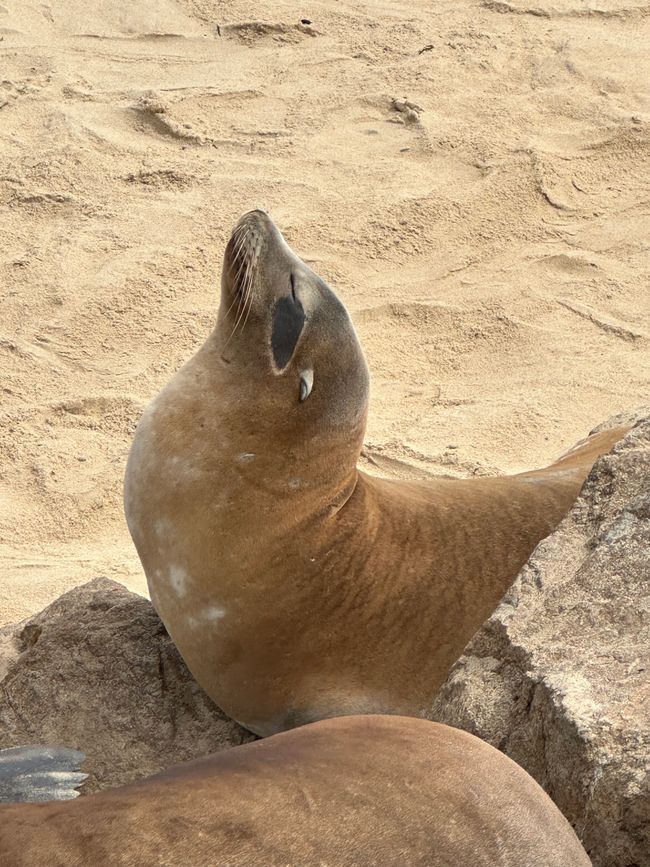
(306, 383)
(288, 322)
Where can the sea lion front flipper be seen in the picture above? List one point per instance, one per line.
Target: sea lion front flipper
(40, 774)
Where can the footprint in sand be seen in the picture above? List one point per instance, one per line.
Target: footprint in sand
(161, 179)
(154, 113)
(251, 32)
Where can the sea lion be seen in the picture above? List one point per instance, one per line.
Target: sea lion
(295, 586)
(350, 791)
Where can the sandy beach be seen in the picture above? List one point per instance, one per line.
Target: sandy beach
(472, 177)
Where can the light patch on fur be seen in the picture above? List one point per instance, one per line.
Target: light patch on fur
(182, 468)
(162, 528)
(294, 484)
(545, 478)
(178, 579)
(206, 615)
(246, 457)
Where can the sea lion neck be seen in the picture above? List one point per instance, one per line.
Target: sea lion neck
(246, 439)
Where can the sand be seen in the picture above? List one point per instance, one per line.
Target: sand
(472, 177)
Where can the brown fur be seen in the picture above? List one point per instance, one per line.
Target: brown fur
(366, 791)
(295, 586)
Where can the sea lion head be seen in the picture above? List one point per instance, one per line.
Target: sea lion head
(288, 341)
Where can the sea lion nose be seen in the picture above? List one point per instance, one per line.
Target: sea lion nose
(257, 224)
(255, 217)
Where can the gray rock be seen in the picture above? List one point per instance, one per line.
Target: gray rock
(96, 671)
(559, 677)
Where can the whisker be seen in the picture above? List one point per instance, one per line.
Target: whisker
(237, 255)
(248, 297)
(250, 305)
(243, 262)
(245, 290)
(241, 298)
(238, 239)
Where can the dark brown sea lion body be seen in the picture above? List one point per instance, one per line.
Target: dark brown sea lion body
(295, 586)
(351, 792)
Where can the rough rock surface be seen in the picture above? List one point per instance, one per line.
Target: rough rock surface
(97, 671)
(559, 677)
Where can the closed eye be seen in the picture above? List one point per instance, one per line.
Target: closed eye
(288, 320)
(293, 287)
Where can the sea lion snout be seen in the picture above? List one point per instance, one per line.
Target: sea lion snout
(259, 265)
(263, 280)
(257, 220)
(256, 231)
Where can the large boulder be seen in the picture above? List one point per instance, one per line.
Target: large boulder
(559, 677)
(97, 671)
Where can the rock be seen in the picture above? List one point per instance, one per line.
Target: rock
(559, 677)
(96, 671)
